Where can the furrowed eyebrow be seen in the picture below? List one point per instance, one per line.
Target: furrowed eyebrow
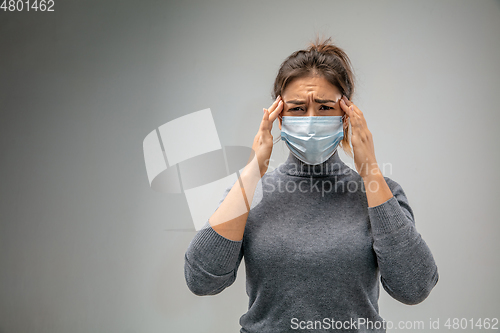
(320, 101)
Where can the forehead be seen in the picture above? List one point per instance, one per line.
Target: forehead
(317, 85)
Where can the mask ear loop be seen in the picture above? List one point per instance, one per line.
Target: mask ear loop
(279, 137)
(345, 128)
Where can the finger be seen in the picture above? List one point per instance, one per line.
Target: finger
(346, 109)
(354, 107)
(276, 112)
(275, 104)
(349, 104)
(355, 111)
(266, 115)
(346, 100)
(352, 115)
(264, 124)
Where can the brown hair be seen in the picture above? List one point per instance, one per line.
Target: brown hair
(321, 58)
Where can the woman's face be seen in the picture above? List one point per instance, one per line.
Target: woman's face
(311, 96)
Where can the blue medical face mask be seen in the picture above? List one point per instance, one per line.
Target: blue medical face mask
(313, 139)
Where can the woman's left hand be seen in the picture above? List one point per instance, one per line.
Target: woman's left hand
(361, 140)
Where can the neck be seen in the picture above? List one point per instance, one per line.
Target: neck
(295, 167)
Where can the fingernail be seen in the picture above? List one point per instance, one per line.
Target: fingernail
(263, 110)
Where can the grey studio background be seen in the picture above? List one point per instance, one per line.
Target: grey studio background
(87, 246)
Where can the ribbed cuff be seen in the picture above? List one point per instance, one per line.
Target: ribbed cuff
(387, 217)
(214, 252)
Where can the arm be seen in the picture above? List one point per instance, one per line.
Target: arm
(211, 260)
(214, 255)
(407, 267)
(230, 218)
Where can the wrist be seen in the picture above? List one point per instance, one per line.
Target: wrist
(251, 172)
(377, 190)
(370, 171)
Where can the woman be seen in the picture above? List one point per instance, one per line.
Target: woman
(315, 234)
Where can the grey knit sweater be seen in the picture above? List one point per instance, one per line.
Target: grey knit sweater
(314, 252)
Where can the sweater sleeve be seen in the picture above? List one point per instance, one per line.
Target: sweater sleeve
(407, 268)
(211, 260)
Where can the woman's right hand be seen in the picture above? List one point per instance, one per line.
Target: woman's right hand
(263, 141)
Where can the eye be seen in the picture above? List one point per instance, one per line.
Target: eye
(326, 107)
(298, 108)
